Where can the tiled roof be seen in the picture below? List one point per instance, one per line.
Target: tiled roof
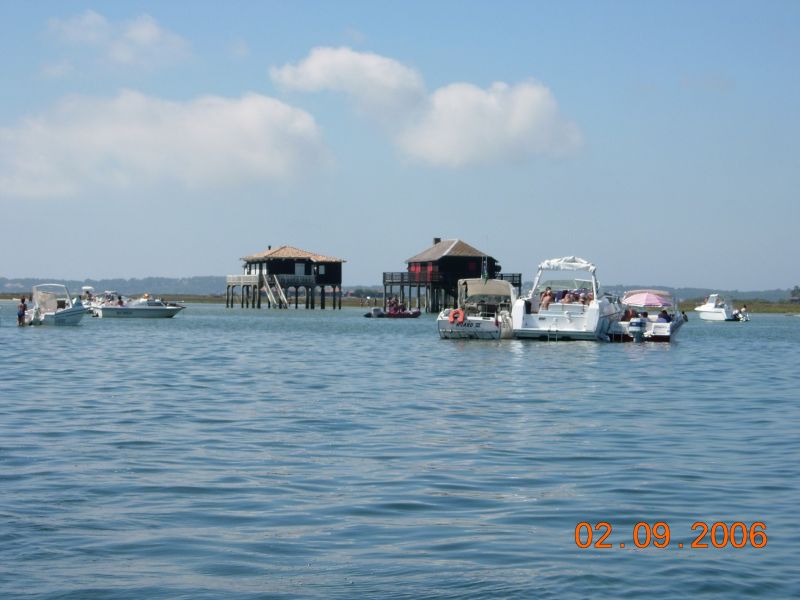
(290, 252)
(446, 248)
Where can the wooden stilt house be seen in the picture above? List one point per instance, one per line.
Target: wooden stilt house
(432, 275)
(282, 273)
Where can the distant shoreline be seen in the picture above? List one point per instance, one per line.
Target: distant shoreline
(352, 301)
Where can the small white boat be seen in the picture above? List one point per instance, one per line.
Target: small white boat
(138, 308)
(716, 309)
(483, 312)
(52, 305)
(649, 316)
(565, 303)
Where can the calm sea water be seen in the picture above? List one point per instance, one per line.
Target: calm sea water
(317, 454)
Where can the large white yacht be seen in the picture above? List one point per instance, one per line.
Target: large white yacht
(565, 303)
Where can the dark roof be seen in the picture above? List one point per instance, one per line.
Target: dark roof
(446, 248)
(290, 252)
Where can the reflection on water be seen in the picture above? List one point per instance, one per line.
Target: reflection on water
(251, 454)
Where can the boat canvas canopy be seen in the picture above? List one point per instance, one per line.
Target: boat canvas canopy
(490, 287)
(567, 263)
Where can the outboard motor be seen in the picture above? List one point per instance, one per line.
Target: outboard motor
(636, 328)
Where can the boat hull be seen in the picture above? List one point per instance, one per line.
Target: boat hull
(137, 312)
(475, 328)
(715, 315)
(566, 322)
(66, 317)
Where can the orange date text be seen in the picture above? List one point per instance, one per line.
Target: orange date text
(659, 535)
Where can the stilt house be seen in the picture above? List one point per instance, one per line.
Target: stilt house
(281, 271)
(433, 274)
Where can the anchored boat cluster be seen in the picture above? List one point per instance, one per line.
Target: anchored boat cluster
(474, 299)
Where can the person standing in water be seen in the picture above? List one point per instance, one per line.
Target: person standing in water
(21, 310)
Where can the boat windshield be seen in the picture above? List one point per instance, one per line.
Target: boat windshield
(51, 298)
(564, 284)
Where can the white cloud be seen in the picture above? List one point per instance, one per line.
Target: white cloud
(457, 125)
(465, 125)
(143, 42)
(138, 42)
(135, 139)
(377, 83)
(90, 28)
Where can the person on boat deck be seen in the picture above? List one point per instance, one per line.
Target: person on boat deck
(119, 301)
(629, 314)
(21, 309)
(663, 317)
(546, 298)
(582, 299)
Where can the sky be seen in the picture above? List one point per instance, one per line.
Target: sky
(660, 141)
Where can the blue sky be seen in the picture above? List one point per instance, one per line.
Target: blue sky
(658, 140)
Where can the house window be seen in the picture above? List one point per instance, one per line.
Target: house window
(321, 270)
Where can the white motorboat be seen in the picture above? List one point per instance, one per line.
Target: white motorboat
(483, 312)
(565, 303)
(52, 305)
(649, 316)
(716, 309)
(145, 307)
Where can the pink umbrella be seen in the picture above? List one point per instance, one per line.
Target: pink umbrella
(646, 299)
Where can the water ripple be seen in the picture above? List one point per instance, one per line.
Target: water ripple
(297, 454)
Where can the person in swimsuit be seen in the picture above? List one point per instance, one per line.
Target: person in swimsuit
(21, 309)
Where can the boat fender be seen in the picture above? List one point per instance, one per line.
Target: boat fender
(457, 315)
